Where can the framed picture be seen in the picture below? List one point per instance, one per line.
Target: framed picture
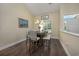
(23, 23)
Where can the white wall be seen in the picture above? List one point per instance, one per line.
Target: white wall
(9, 30)
(55, 24)
(71, 42)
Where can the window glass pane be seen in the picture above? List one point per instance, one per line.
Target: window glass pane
(46, 17)
(71, 23)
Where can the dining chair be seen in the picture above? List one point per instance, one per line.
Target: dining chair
(33, 41)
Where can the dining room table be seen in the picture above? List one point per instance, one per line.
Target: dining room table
(41, 34)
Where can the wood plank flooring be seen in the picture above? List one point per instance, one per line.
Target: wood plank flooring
(50, 48)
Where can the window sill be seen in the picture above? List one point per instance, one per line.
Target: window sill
(75, 34)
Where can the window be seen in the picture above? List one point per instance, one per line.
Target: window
(46, 17)
(71, 23)
(45, 23)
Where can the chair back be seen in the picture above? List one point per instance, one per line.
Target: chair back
(32, 35)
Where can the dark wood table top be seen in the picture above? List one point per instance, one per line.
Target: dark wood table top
(41, 34)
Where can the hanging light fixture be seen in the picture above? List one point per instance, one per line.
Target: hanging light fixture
(37, 21)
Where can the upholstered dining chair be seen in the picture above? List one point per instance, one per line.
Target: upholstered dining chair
(33, 35)
(33, 41)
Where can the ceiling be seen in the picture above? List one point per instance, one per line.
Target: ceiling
(42, 8)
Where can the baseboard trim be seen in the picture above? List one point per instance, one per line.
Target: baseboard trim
(9, 45)
(67, 52)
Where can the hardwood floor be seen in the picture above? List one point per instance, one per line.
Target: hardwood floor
(50, 48)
